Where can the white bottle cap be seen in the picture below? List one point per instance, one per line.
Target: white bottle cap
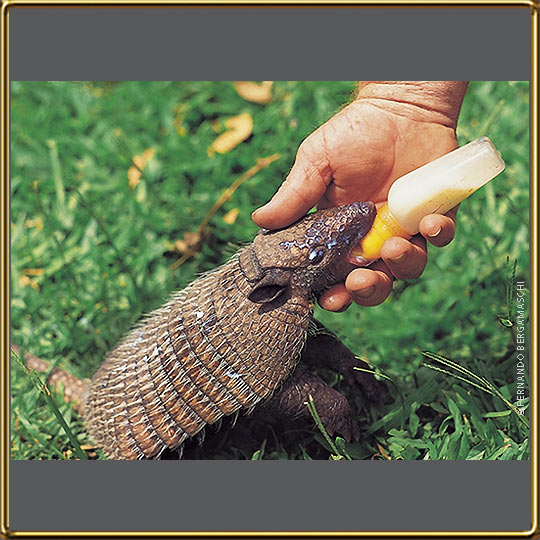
(438, 186)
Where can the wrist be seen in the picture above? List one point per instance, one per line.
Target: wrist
(434, 101)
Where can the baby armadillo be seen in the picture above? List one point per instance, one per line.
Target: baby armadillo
(228, 341)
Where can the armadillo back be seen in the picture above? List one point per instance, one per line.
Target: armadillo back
(207, 353)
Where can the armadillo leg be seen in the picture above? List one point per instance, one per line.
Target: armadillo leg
(332, 407)
(324, 349)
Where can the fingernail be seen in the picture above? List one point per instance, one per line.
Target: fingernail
(400, 258)
(436, 233)
(365, 293)
(329, 301)
(344, 308)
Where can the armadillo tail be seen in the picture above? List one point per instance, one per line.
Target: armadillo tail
(73, 388)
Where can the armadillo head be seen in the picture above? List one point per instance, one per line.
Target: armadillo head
(311, 254)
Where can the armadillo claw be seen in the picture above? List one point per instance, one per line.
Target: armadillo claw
(339, 419)
(367, 383)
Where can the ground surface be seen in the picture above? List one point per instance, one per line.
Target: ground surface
(95, 240)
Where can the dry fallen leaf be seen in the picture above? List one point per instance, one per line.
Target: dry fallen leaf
(134, 176)
(190, 241)
(34, 271)
(144, 158)
(192, 238)
(383, 452)
(37, 223)
(180, 246)
(25, 281)
(139, 163)
(88, 446)
(178, 121)
(239, 128)
(255, 92)
(230, 216)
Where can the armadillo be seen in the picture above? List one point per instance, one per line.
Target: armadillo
(228, 342)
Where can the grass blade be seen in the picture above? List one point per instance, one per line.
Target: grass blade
(43, 389)
(482, 384)
(313, 411)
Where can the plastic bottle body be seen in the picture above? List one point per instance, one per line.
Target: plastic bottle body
(440, 185)
(434, 188)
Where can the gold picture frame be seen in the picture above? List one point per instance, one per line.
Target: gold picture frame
(8, 5)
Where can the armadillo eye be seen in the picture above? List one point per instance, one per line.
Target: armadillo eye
(316, 255)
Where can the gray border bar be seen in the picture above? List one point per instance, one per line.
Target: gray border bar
(270, 43)
(271, 495)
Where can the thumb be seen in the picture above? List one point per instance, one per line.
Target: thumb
(305, 185)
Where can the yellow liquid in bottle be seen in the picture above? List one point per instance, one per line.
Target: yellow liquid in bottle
(385, 226)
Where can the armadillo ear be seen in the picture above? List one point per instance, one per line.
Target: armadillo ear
(272, 285)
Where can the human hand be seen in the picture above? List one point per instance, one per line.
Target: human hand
(389, 130)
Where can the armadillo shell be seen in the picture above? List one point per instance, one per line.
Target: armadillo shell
(205, 354)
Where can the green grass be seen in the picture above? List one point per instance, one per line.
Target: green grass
(90, 255)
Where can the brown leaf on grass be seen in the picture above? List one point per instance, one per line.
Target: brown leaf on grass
(189, 243)
(88, 446)
(192, 238)
(239, 128)
(139, 163)
(33, 271)
(25, 281)
(142, 159)
(180, 246)
(256, 92)
(230, 216)
(37, 223)
(383, 452)
(178, 121)
(134, 176)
